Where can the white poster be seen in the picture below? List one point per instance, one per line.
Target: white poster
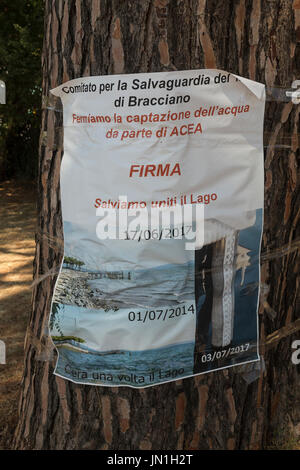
(162, 204)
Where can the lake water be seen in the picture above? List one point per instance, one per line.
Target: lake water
(138, 368)
(149, 288)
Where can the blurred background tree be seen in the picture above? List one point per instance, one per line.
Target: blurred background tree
(21, 35)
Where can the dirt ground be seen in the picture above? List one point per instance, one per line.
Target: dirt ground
(17, 231)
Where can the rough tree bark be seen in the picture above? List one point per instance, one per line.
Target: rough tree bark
(258, 39)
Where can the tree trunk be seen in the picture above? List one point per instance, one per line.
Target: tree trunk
(259, 40)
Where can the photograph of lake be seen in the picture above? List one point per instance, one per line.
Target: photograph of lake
(138, 368)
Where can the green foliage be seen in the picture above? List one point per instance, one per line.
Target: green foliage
(21, 34)
(58, 339)
(73, 261)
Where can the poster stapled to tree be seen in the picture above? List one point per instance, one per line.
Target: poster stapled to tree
(162, 205)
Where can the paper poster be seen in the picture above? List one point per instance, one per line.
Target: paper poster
(162, 206)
